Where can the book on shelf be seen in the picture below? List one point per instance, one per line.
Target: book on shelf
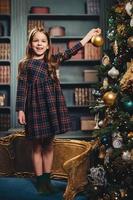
(93, 7)
(5, 74)
(83, 96)
(5, 7)
(39, 23)
(5, 51)
(92, 52)
(58, 47)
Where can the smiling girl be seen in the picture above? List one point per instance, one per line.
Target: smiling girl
(40, 102)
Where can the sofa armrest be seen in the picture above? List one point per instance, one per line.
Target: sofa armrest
(77, 169)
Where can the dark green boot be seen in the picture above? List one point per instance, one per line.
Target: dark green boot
(41, 186)
(48, 184)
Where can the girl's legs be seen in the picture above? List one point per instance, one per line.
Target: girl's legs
(47, 164)
(37, 157)
(42, 156)
(47, 157)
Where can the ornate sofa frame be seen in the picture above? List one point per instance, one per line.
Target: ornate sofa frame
(71, 161)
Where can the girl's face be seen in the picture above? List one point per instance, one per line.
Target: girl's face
(39, 45)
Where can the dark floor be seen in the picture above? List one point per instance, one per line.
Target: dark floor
(24, 189)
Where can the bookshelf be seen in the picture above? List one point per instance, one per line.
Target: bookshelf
(5, 65)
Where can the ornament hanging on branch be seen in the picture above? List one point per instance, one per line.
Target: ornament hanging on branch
(111, 34)
(117, 140)
(128, 106)
(128, 8)
(105, 83)
(115, 47)
(105, 60)
(113, 73)
(130, 41)
(121, 29)
(109, 98)
(126, 155)
(131, 21)
(119, 8)
(97, 40)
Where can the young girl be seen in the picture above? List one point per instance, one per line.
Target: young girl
(40, 102)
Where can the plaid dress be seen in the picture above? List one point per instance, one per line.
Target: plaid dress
(42, 100)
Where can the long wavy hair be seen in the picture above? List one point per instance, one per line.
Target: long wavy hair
(48, 57)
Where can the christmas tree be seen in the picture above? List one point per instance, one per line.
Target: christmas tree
(112, 174)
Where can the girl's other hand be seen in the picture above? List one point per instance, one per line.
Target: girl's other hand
(21, 117)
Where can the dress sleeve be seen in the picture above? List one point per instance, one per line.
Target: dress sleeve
(68, 53)
(21, 90)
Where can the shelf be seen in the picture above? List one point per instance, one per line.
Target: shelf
(77, 106)
(76, 84)
(4, 84)
(5, 61)
(83, 61)
(5, 107)
(5, 38)
(63, 17)
(4, 16)
(65, 38)
(85, 135)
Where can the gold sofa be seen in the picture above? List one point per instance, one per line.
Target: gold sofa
(71, 160)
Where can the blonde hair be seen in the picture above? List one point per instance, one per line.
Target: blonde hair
(48, 57)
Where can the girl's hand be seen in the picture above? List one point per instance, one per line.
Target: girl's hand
(90, 34)
(21, 117)
(94, 32)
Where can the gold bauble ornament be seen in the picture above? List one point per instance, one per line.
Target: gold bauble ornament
(109, 98)
(97, 40)
(130, 41)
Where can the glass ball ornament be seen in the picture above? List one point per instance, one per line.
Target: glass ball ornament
(128, 106)
(106, 141)
(109, 98)
(97, 40)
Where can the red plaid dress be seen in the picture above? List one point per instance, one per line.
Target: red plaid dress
(42, 100)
